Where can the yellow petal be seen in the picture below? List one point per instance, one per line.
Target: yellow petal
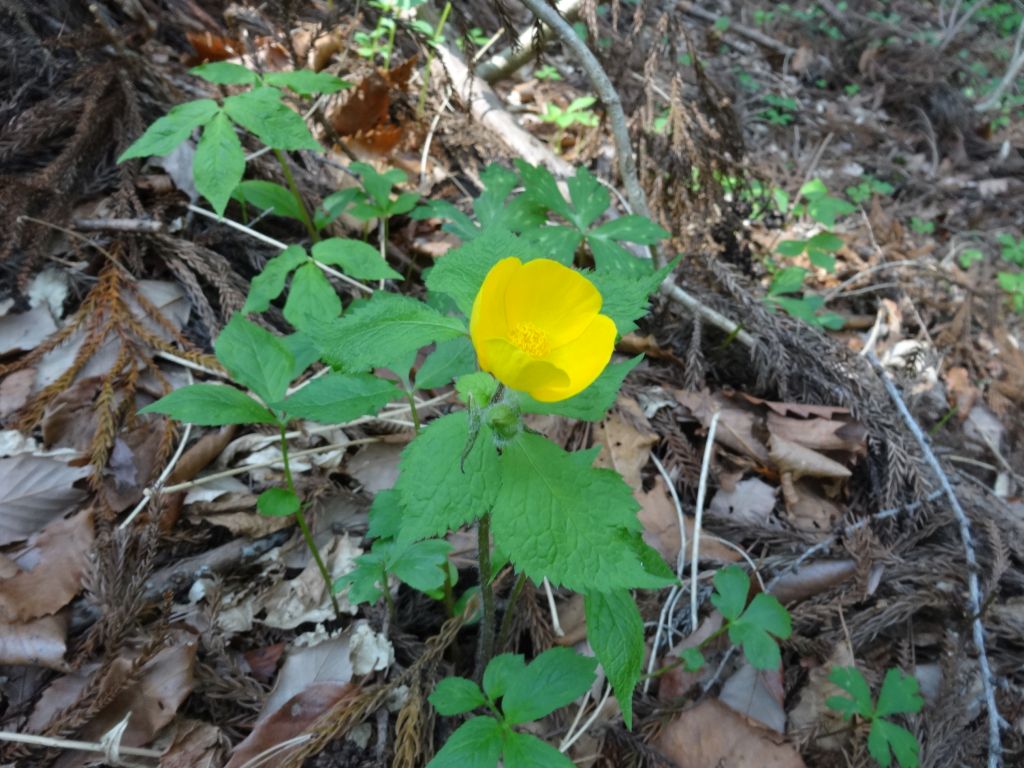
(582, 359)
(517, 370)
(559, 301)
(487, 320)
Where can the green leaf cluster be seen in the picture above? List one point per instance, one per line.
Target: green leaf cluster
(899, 695)
(756, 626)
(514, 693)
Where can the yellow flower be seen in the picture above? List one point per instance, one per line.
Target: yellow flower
(536, 327)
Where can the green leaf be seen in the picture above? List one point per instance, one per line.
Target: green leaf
(552, 241)
(219, 162)
(635, 229)
(269, 283)
(255, 358)
(365, 582)
(381, 328)
(476, 388)
(494, 210)
(333, 206)
(262, 113)
(355, 258)
(378, 185)
(589, 197)
(731, 587)
(885, 736)
(524, 750)
(305, 82)
(385, 515)
(765, 611)
(476, 744)
(692, 659)
(615, 631)
(791, 247)
(542, 189)
(340, 397)
(626, 297)
(612, 257)
(311, 299)
(500, 672)
(827, 209)
(225, 73)
(900, 694)
(822, 260)
(268, 196)
(788, 280)
(169, 131)
(440, 492)
(813, 189)
(593, 402)
(421, 564)
(560, 519)
(761, 651)
(852, 681)
(211, 405)
(462, 270)
(552, 680)
(302, 349)
(450, 359)
(455, 695)
(825, 241)
(278, 502)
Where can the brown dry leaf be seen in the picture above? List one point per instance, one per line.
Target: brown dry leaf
(626, 439)
(50, 569)
(211, 47)
(65, 691)
(806, 508)
(291, 720)
(306, 597)
(263, 661)
(677, 681)
(798, 409)
(965, 394)
(25, 330)
(811, 717)
(15, 389)
(661, 528)
(711, 735)
(821, 434)
(757, 694)
(798, 461)
(750, 502)
(375, 466)
(35, 491)
(196, 745)
(813, 579)
(41, 642)
(324, 662)
(735, 425)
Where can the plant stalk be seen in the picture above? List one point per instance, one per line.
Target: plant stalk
(306, 220)
(510, 609)
(485, 645)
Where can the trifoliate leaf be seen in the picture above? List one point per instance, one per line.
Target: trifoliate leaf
(278, 502)
(255, 358)
(340, 397)
(524, 750)
(558, 519)
(885, 736)
(791, 247)
(211, 405)
(788, 280)
(900, 694)
(455, 695)
(440, 492)
(615, 631)
(355, 258)
(311, 299)
(766, 612)
(305, 82)
(172, 129)
(635, 229)
(731, 587)
(450, 359)
(380, 329)
(593, 402)
(268, 196)
(476, 744)
(225, 73)
(219, 162)
(500, 672)
(852, 681)
(552, 680)
(261, 112)
(269, 283)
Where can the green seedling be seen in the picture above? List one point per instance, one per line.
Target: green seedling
(577, 113)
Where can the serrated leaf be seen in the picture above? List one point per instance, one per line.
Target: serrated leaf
(439, 490)
(462, 270)
(305, 82)
(278, 502)
(385, 515)
(421, 564)
(552, 241)
(731, 587)
(211, 405)
(822, 260)
(502, 670)
(255, 358)
(587, 516)
(541, 188)
(788, 280)
(476, 744)
(355, 258)
(589, 197)
(609, 256)
(899, 695)
(852, 681)
(885, 736)
(625, 297)
(311, 299)
(593, 402)
(268, 196)
(302, 349)
(381, 328)
(494, 209)
(765, 611)
(219, 162)
(826, 209)
(340, 397)
(172, 129)
(455, 695)
(476, 389)
(262, 113)
(269, 283)
(450, 359)
(615, 631)
(225, 73)
(634, 228)
(365, 582)
(552, 680)
(524, 750)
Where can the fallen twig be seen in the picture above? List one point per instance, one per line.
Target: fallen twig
(523, 48)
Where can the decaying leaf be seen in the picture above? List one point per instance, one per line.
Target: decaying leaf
(811, 717)
(812, 579)
(196, 745)
(35, 491)
(305, 598)
(39, 642)
(736, 425)
(626, 439)
(751, 502)
(799, 461)
(757, 694)
(326, 661)
(661, 528)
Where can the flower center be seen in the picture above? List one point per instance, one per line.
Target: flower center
(530, 339)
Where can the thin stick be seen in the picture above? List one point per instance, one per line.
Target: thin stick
(567, 743)
(995, 747)
(84, 746)
(556, 625)
(148, 493)
(702, 490)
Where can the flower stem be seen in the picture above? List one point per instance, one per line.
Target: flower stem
(485, 644)
(412, 410)
(510, 609)
(307, 534)
(306, 220)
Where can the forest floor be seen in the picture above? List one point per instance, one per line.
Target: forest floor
(843, 183)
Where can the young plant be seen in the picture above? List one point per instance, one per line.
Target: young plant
(899, 695)
(578, 112)
(781, 109)
(374, 201)
(547, 72)
(786, 284)
(867, 188)
(514, 693)
(820, 249)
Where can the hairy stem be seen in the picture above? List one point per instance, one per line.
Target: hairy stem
(510, 610)
(485, 645)
(307, 534)
(306, 220)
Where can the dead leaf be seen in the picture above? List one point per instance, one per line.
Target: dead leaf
(14, 390)
(661, 528)
(25, 330)
(795, 459)
(751, 502)
(821, 434)
(965, 394)
(757, 694)
(375, 466)
(626, 439)
(63, 693)
(798, 409)
(50, 567)
(811, 717)
(196, 745)
(711, 735)
(675, 683)
(41, 642)
(322, 662)
(263, 661)
(806, 508)
(35, 491)
(211, 47)
(291, 720)
(813, 579)
(736, 424)
(306, 598)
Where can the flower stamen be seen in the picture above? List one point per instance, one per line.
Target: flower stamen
(530, 339)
